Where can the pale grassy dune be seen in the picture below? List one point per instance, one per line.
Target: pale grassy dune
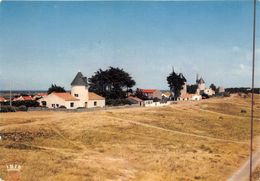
(205, 140)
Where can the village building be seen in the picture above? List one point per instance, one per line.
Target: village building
(194, 96)
(220, 90)
(209, 92)
(135, 100)
(79, 97)
(202, 89)
(189, 97)
(39, 96)
(2, 99)
(152, 93)
(167, 95)
(23, 98)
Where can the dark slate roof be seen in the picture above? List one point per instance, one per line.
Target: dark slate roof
(80, 80)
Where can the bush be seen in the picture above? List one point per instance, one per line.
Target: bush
(118, 102)
(243, 111)
(7, 109)
(32, 103)
(63, 107)
(205, 96)
(21, 108)
(226, 94)
(156, 99)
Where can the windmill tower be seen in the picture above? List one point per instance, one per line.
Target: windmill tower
(79, 89)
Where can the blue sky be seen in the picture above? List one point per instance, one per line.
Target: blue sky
(49, 42)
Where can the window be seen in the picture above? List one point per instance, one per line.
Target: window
(53, 105)
(57, 105)
(44, 103)
(76, 95)
(95, 103)
(72, 104)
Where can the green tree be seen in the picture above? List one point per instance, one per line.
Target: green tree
(112, 83)
(55, 88)
(192, 89)
(213, 87)
(140, 94)
(176, 82)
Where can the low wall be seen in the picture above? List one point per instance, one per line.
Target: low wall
(159, 104)
(83, 109)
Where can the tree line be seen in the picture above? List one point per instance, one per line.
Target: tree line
(116, 83)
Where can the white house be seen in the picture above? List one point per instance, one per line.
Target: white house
(202, 89)
(56, 100)
(196, 97)
(79, 97)
(209, 91)
(166, 95)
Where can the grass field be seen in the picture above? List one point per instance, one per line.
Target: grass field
(205, 140)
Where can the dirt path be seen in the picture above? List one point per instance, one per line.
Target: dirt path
(224, 114)
(243, 173)
(177, 132)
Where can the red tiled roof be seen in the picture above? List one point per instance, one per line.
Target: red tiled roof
(23, 98)
(94, 96)
(65, 96)
(2, 99)
(27, 98)
(148, 91)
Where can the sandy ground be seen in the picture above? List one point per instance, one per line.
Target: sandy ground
(205, 140)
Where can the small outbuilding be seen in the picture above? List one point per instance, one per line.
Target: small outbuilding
(136, 100)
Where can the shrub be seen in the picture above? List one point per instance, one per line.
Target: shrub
(226, 94)
(21, 108)
(156, 99)
(206, 148)
(243, 111)
(205, 96)
(32, 103)
(63, 107)
(7, 109)
(118, 102)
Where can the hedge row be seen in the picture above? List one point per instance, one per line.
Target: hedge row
(23, 103)
(118, 102)
(13, 109)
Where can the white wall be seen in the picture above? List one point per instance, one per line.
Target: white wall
(156, 104)
(100, 103)
(209, 91)
(76, 104)
(196, 97)
(53, 99)
(82, 92)
(202, 86)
